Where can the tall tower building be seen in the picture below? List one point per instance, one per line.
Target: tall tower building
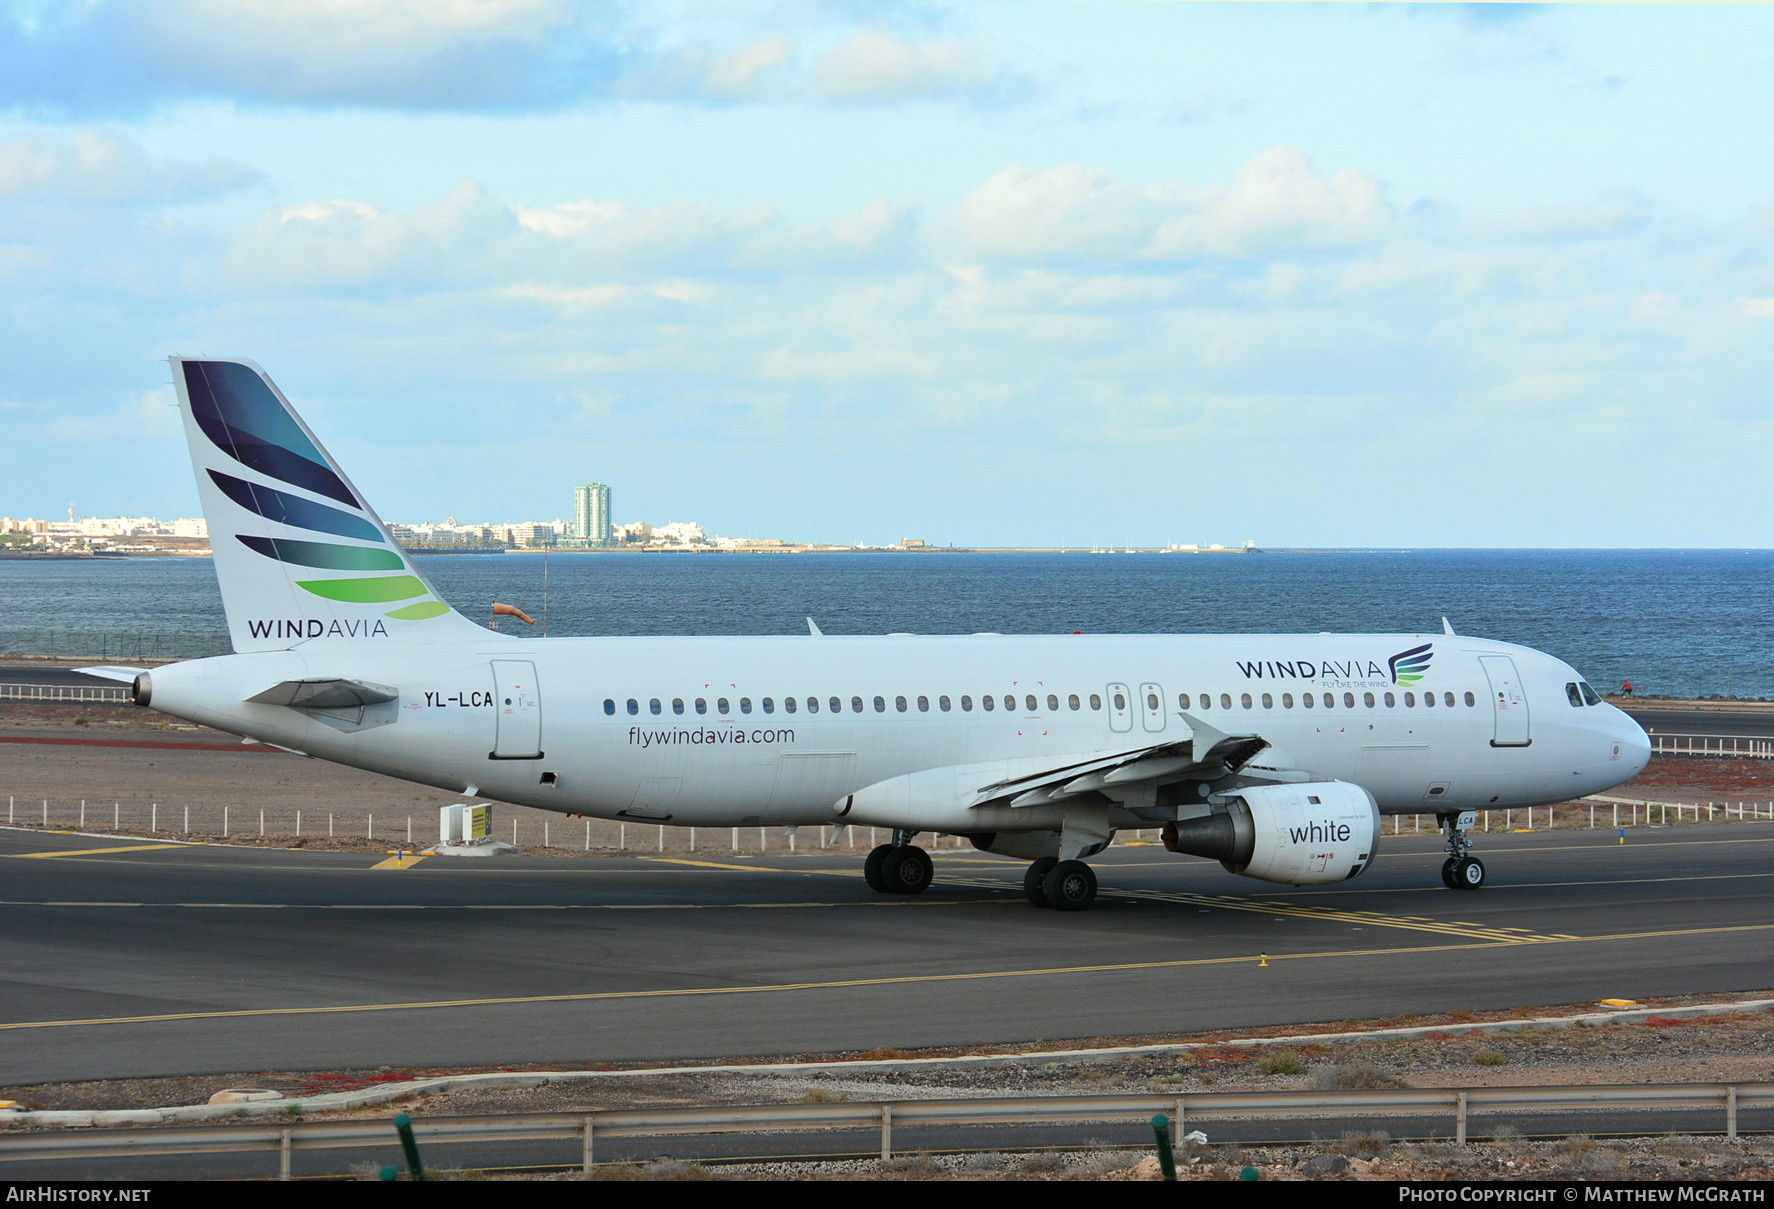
(591, 513)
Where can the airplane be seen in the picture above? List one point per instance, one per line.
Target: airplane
(1275, 754)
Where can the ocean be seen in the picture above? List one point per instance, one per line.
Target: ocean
(1674, 622)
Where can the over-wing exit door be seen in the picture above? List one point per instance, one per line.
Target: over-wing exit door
(517, 710)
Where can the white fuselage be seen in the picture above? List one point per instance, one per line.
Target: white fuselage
(701, 731)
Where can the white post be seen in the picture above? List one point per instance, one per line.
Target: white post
(692, 839)
(369, 826)
(298, 824)
(187, 818)
(622, 837)
(588, 835)
(514, 831)
(224, 820)
(83, 814)
(329, 824)
(261, 822)
(46, 812)
(735, 844)
(409, 827)
(662, 837)
(115, 810)
(153, 816)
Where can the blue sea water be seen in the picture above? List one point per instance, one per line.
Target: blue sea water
(1678, 622)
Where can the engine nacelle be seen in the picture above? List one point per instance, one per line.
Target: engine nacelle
(1303, 835)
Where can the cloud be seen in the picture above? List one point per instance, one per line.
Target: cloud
(96, 167)
(1278, 202)
(123, 56)
(117, 57)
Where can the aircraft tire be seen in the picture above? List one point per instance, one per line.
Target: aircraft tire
(1035, 878)
(907, 870)
(871, 868)
(1447, 873)
(1070, 886)
(1469, 873)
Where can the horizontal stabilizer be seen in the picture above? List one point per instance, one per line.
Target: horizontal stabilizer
(325, 694)
(125, 675)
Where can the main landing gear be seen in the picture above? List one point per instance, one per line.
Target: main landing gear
(898, 868)
(1460, 871)
(1062, 885)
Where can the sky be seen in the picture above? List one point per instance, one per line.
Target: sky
(1321, 275)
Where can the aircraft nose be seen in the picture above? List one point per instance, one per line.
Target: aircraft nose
(1635, 745)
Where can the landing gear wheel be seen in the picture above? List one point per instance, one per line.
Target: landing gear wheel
(871, 868)
(1070, 886)
(1447, 873)
(1034, 880)
(907, 870)
(1468, 873)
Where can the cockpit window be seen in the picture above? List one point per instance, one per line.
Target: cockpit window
(1573, 694)
(1589, 695)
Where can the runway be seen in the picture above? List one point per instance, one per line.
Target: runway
(127, 957)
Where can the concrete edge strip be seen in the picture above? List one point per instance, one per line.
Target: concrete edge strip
(335, 1101)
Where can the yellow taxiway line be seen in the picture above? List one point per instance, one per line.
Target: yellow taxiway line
(1249, 959)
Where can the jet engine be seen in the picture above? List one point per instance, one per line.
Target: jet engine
(1302, 834)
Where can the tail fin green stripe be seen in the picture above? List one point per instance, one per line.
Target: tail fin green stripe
(329, 556)
(366, 591)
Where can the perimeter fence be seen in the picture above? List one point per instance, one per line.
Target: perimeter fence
(104, 646)
(1455, 1107)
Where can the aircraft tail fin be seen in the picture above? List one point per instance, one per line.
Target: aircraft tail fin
(299, 554)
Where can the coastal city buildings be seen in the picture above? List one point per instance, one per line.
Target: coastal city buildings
(591, 514)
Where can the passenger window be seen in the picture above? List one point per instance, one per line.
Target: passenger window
(788, 705)
(813, 705)
(1120, 702)
(923, 705)
(967, 703)
(836, 705)
(609, 705)
(899, 704)
(1287, 701)
(1028, 701)
(1052, 703)
(943, 703)
(1391, 701)
(1306, 700)
(701, 705)
(1009, 704)
(1096, 701)
(1429, 700)
(1348, 700)
(1410, 700)
(677, 705)
(1072, 701)
(1152, 702)
(880, 705)
(1470, 699)
(989, 702)
(723, 707)
(1268, 701)
(1225, 700)
(1206, 701)
(1447, 699)
(769, 705)
(634, 706)
(745, 705)
(1367, 699)
(1244, 700)
(654, 706)
(856, 705)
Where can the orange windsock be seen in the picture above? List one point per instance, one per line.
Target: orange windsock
(505, 610)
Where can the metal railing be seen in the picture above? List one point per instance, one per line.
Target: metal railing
(113, 693)
(1712, 745)
(1184, 1110)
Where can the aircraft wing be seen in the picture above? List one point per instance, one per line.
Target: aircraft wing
(1204, 753)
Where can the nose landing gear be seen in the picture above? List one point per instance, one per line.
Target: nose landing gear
(1460, 871)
